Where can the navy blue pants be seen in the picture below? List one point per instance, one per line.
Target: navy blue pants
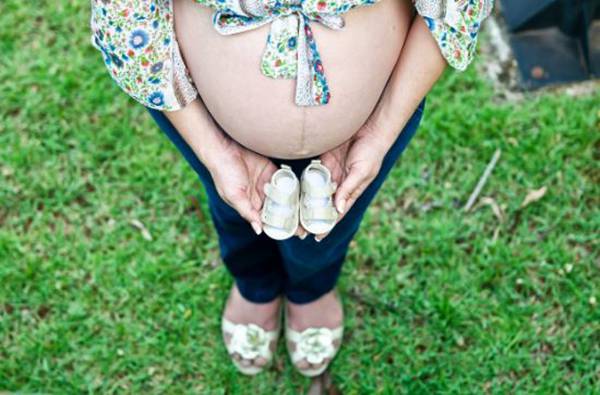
(302, 270)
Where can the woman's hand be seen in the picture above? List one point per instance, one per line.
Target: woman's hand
(239, 176)
(335, 161)
(354, 165)
(419, 66)
(238, 173)
(362, 165)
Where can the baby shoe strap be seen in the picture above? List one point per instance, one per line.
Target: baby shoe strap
(279, 196)
(313, 191)
(277, 221)
(326, 213)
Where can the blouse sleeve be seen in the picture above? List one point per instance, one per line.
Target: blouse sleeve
(137, 40)
(455, 26)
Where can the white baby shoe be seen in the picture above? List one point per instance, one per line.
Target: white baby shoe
(280, 209)
(317, 212)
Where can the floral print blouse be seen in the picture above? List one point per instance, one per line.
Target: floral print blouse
(137, 40)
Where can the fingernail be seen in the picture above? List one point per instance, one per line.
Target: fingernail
(256, 227)
(303, 236)
(317, 239)
(341, 206)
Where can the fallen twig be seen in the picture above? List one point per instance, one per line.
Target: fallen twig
(482, 180)
(136, 223)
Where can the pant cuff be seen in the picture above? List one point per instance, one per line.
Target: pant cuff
(258, 294)
(303, 297)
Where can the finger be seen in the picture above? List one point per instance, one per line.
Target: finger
(349, 185)
(241, 203)
(301, 233)
(344, 200)
(334, 165)
(321, 236)
(349, 205)
(265, 178)
(355, 195)
(256, 199)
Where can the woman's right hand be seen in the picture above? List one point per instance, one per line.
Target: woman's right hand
(238, 173)
(239, 176)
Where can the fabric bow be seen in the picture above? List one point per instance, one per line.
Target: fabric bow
(291, 51)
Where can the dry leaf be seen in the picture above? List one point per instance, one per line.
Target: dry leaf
(410, 199)
(568, 267)
(140, 226)
(488, 201)
(534, 196)
(7, 171)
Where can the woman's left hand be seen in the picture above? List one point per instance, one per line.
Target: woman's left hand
(354, 165)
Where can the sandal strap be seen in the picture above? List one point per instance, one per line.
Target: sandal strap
(327, 213)
(313, 191)
(230, 327)
(277, 221)
(295, 336)
(278, 196)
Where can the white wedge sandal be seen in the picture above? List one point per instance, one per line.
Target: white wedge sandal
(314, 345)
(250, 342)
(280, 209)
(317, 212)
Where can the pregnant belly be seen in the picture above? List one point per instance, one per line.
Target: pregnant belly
(259, 112)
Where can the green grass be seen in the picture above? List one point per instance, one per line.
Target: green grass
(435, 303)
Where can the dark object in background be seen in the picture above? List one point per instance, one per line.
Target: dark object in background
(554, 41)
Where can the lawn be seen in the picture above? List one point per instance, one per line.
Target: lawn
(438, 301)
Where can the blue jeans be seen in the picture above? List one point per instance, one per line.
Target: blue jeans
(302, 270)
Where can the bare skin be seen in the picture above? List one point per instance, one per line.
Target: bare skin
(259, 112)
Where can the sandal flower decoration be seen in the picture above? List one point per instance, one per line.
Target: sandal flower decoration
(250, 341)
(316, 344)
